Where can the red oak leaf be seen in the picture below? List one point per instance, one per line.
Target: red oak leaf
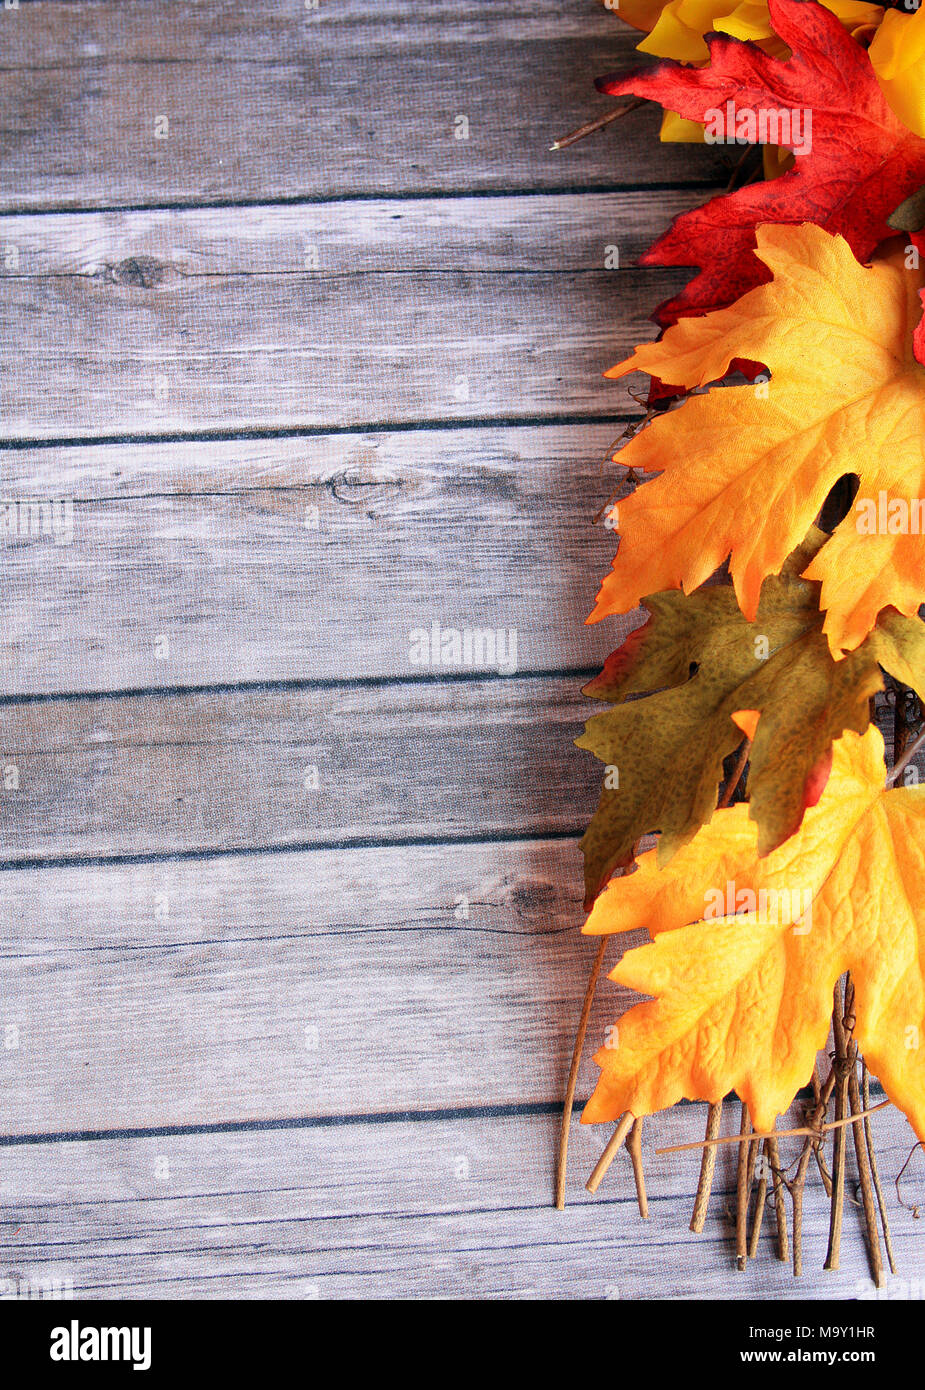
(859, 161)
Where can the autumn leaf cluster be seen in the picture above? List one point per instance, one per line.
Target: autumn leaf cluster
(777, 550)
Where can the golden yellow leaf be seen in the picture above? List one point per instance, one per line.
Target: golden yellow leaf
(745, 469)
(743, 1002)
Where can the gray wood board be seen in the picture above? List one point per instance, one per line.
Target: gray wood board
(300, 559)
(309, 373)
(158, 324)
(327, 983)
(455, 1208)
(267, 100)
(504, 233)
(336, 765)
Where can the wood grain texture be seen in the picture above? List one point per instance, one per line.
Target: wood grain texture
(229, 770)
(136, 324)
(505, 234)
(428, 977)
(454, 1208)
(311, 372)
(268, 101)
(302, 559)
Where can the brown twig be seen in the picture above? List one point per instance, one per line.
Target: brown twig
(618, 495)
(906, 758)
(707, 1165)
(915, 1207)
(799, 1183)
(878, 1188)
(810, 1130)
(598, 123)
(867, 1188)
(737, 168)
(780, 1207)
(761, 1197)
(562, 1163)
(634, 1148)
(744, 1174)
(841, 1068)
(611, 1151)
(735, 779)
(817, 1148)
(901, 728)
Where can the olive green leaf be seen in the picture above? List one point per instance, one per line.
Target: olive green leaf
(675, 685)
(910, 215)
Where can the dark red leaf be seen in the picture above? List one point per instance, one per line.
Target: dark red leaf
(861, 164)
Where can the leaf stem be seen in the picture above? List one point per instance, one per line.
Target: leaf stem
(735, 779)
(562, 1162)
(598, 123)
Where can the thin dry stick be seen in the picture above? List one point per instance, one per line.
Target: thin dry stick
(598, 123)
(634, 1147)
(906, 758)
(810, 1131)
(611, 1151)
(746, 1167)
(733, 177)
(869, 1138)
(901, 728)
(736, 777)
(799, 1184)
(817, 1148)
(837, 1211)
(743, 1189)
(562, 1164)
(867, 1187)
(707, 1165)
(715, 1113)
(761, 1197)
(815, 1129)
(899, 1177)
(780, 1208)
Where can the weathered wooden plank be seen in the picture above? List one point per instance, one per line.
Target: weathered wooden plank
(268, 100)
(113, 330)
(322, 765)
(321, 984)
(287, 559)
(542, 232)
(455, 1208)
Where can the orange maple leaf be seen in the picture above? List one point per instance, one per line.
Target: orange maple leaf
(744, 470)
(743, 1002)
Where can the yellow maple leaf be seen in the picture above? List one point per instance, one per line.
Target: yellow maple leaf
(745, 469)
(898, 56)
(676, 28)
(743, 1002)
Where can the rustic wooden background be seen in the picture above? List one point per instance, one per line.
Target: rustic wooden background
(252, 1043)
